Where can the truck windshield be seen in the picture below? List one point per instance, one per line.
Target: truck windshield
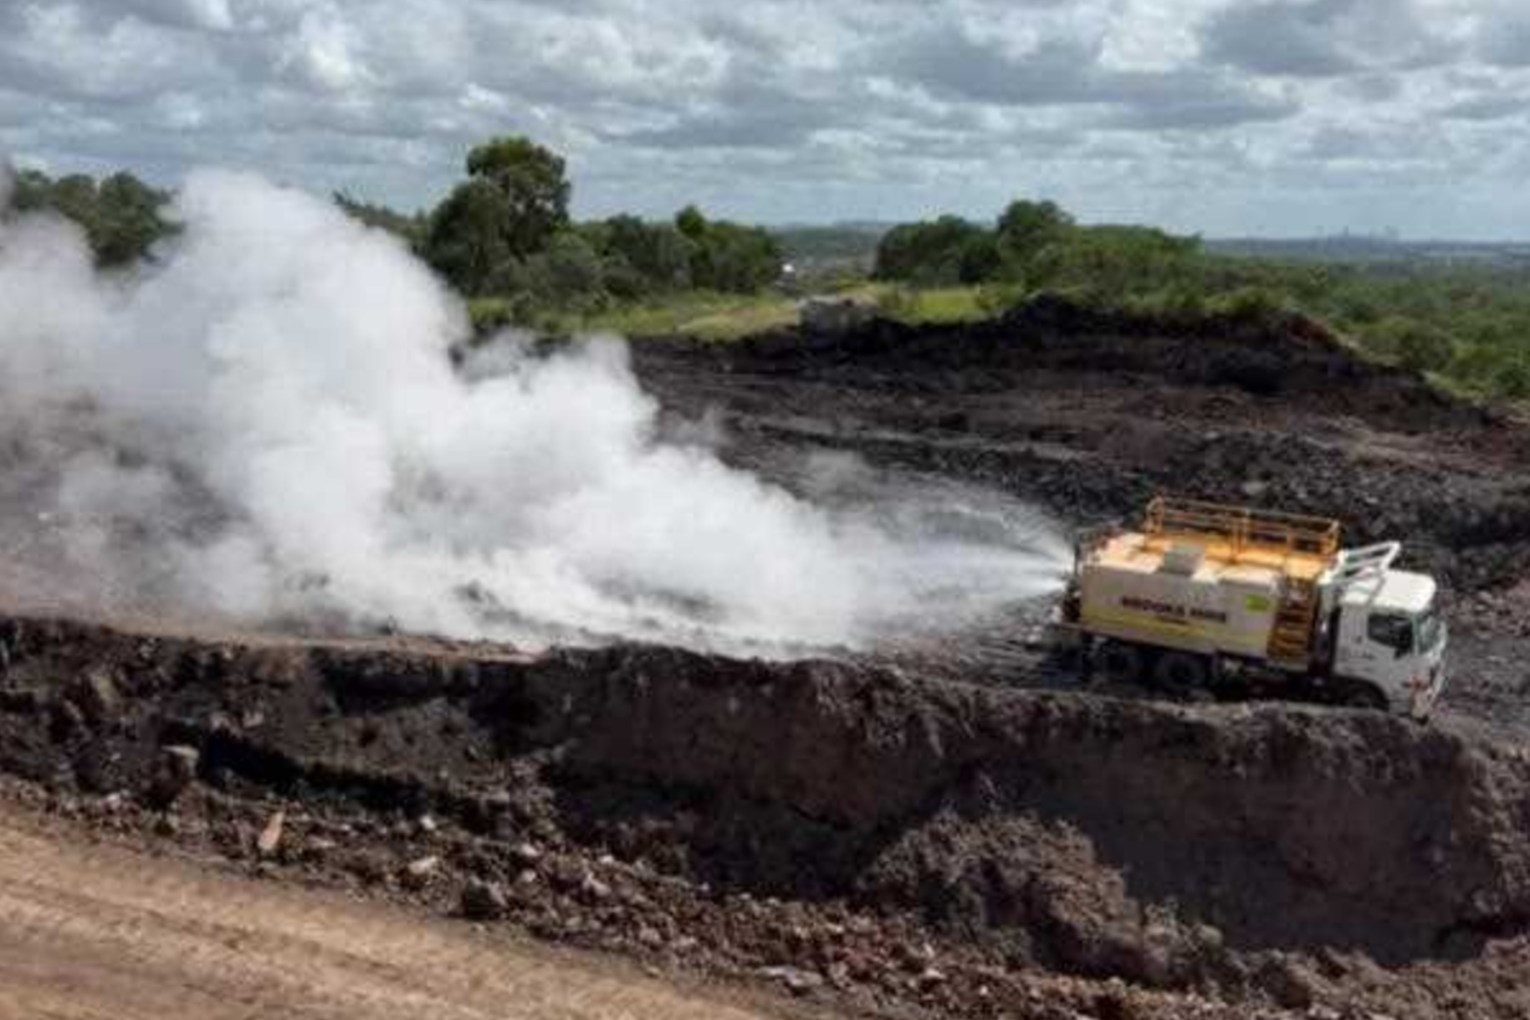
(1431, 630)
(1391, 630)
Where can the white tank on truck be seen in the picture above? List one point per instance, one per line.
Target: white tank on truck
(1202, 593)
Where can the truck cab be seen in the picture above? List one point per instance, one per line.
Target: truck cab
(1392, 636)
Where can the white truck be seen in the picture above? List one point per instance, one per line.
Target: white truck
(1202, 594)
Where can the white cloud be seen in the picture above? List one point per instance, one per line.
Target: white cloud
(786, 109)
(322, 53)
(213, 15)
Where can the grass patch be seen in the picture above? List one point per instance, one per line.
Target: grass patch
(710, 316)
(940, 306)
(725, 317)
(488, 313)
(703, 315)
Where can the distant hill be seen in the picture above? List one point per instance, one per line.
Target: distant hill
(847, 244)
(1346, 248)
(855, 242)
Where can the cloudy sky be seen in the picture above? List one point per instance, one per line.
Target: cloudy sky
(1269, 117)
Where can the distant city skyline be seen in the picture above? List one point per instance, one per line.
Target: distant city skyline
(1271, 118)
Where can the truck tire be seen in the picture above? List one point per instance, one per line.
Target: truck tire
(1181, 672)
(1116, 662)
(1359, 694)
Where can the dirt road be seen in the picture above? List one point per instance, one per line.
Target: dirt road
(97, 932)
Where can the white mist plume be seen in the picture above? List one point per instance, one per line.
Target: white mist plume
(266, 424)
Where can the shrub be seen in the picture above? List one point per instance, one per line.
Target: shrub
(1251, 304)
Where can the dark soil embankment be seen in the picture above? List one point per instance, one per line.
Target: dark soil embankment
(1050, 339)
(817, 817)
(1090, 414)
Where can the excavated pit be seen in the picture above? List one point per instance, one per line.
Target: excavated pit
(930, 826)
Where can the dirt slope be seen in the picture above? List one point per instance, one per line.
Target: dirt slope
(827, 824)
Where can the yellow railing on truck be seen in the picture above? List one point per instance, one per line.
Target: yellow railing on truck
(1242, 529)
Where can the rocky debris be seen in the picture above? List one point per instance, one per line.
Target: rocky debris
(181, 763)
(177, 771)
(1289, 982)
(1503, 613)
(484, 901)
(418, 873)
(794, 979)
(96, 696)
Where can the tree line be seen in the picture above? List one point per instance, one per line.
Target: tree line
(1468, 326)
(505, 231)
(122, 217)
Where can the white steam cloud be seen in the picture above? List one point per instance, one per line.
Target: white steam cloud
(265, 426)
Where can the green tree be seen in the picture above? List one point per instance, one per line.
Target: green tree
(928, 253)
(621, 280)
(122, 217)
(467, 241)
(725, 256)
(534, 186)
(1424, 349)
(573, 268)
(979, 260)
(127, 221)
(30, 191)
(1513, 379)
(75, 197)
(1411, 342)
(1027, 228)
(1116, 261)
(732, 257)
(513, 202)
(691, 223)
(659, 253)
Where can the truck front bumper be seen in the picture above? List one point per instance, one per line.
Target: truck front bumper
(1425, 692)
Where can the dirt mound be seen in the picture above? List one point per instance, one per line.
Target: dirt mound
(746, 813)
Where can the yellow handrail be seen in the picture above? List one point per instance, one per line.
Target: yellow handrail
(1243, 528)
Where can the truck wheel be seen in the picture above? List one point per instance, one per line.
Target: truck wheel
(1363, 695)
(1181, 672)
(1118, 663)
